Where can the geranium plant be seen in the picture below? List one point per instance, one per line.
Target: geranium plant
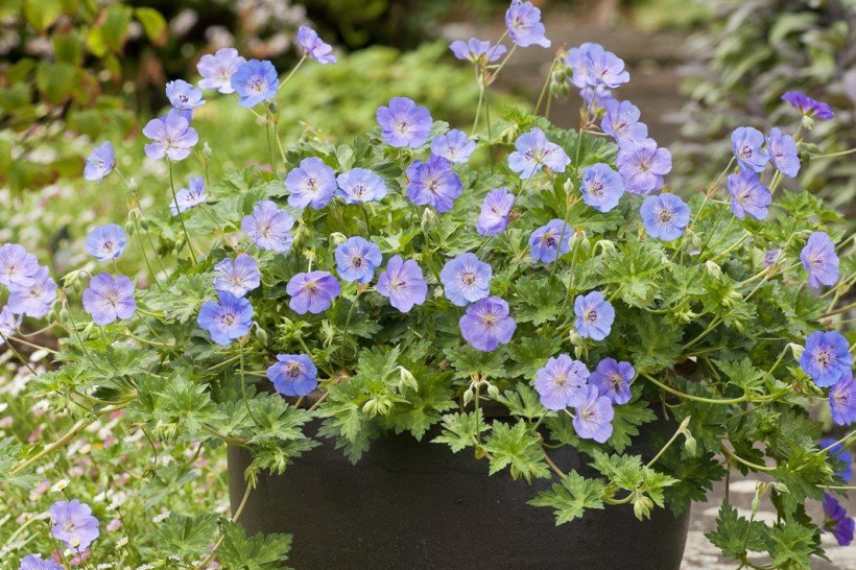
(408, 279)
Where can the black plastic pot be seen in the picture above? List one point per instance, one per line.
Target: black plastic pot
(409, 505)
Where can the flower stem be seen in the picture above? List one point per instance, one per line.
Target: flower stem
(180, 213)
(76, 428)
(479, 106)
(678, 432)
(834, 154)
(685, 396)
(292, 72)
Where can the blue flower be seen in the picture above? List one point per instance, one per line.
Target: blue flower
(595, 68)
(808, 106)
(255, 81)
(747, 145)
(100, 162)
(593, 417)
(37, 298)
(226, 319)
(269, 227)
(312, 292)
(9, 323)
(495, 212)
(613, 380)
(217, 70)
(184, 97)
(360, 185)
(820, 260)
(826, 358)
(534, 152)
(106, 243)
(433, 183)
(842, 400)
(403, 284)
(109, 298)
(594, 316)
(18, 267)
(665, 216)
(313, 46)
(523, 21)
(404, 124)
(772, 256)
(602, 187)
(783, 152)
(466, 279)
(621, 122)
(357, 259)
(562, 382)
(841, 459)
(190, 197)
(455, 146)
(748, 195)
(837, 520)
(238, 276)
(643, 165)
(550, 241)
(72, 522)
(293, 374)
(486, 324)
(311, 184)
(35, 562)
(171, 136)
(477, 51)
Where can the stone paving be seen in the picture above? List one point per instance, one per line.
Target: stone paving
(700, 554)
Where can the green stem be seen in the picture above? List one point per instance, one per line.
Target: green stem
(292, 72)
(834, 154)
(478, 106)
(746, 462)
(20, 357)
(685, 396)
(76, 428)
(678, 432)
(180, 213)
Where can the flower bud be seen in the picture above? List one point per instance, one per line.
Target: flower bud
(606, 246)
(338, 238)
(713, 268)
(492, 391)
(642, 506)
(407, 378)
(797, 349)
(429, 218)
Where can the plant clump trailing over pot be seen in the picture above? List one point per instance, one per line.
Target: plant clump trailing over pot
(411, 277)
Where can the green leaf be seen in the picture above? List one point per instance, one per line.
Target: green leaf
(56, 81)
(42, 13)
(517, 447)
(153, 23)
(625, 424)
(791, 545)
(468, 362)
(114, 29)
(522, 402)
(571, 497)
(184, 536)
(259, 552)
(461, 430)
(736, 535)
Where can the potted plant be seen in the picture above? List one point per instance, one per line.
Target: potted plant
(406, 338)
